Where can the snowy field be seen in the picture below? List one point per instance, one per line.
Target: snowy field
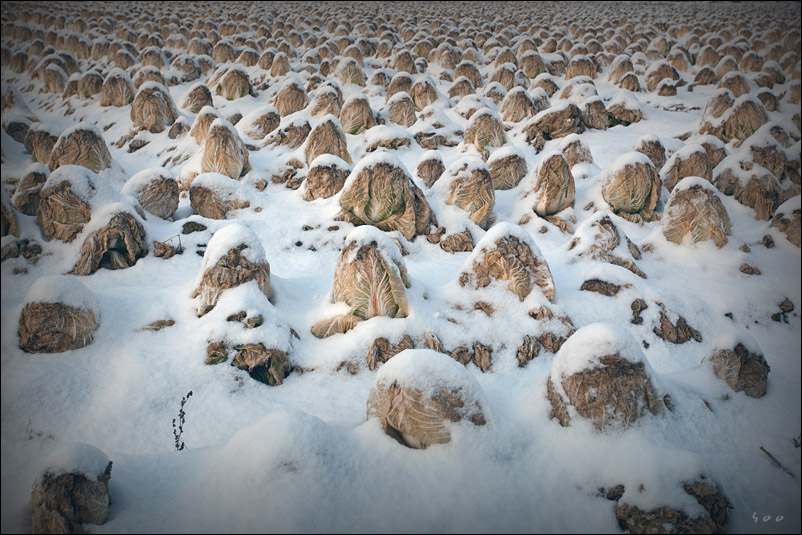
(303, 456)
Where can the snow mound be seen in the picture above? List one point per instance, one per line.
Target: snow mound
(329, 160)
(429, 372)
(76, 458)
(589, 344)
(728, 341)
(228, 238)
(367, 234)
(61, 289)
(143, 178)
(224, 186)
(83, 182)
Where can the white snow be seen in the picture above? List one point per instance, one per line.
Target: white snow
(225, 187)
(619, 59)
(209, 110)
(482, 112)
(645, 139)
(76, 458)
(790, 206)
(740, 101)
(66, 289)
(229, 237)
(583, 350)
(383, 132)
(559, 106)
(190, 89)
(429, 372)
(118, 72)
(354, 97)
(628, 159)
(106, 211)
(455, 171)
(329, 160)
(583, 237)
(691, 181)
(460, 80)
(430, 155)
(83, 182)
(371, 160)
(504, 152)
(528, 182)
(538, 93)
(82, 126)
(495, 233)
(37, 127)
(733, 162)
(657, 65)
(712, 140)
(274, 332)
(400, 95)
(220, 121)
(728, 341)
(302, 457)
(495, 87)
(140, 180)
(367, 234)
(36, 168)
(625, 98)
(328, 118)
